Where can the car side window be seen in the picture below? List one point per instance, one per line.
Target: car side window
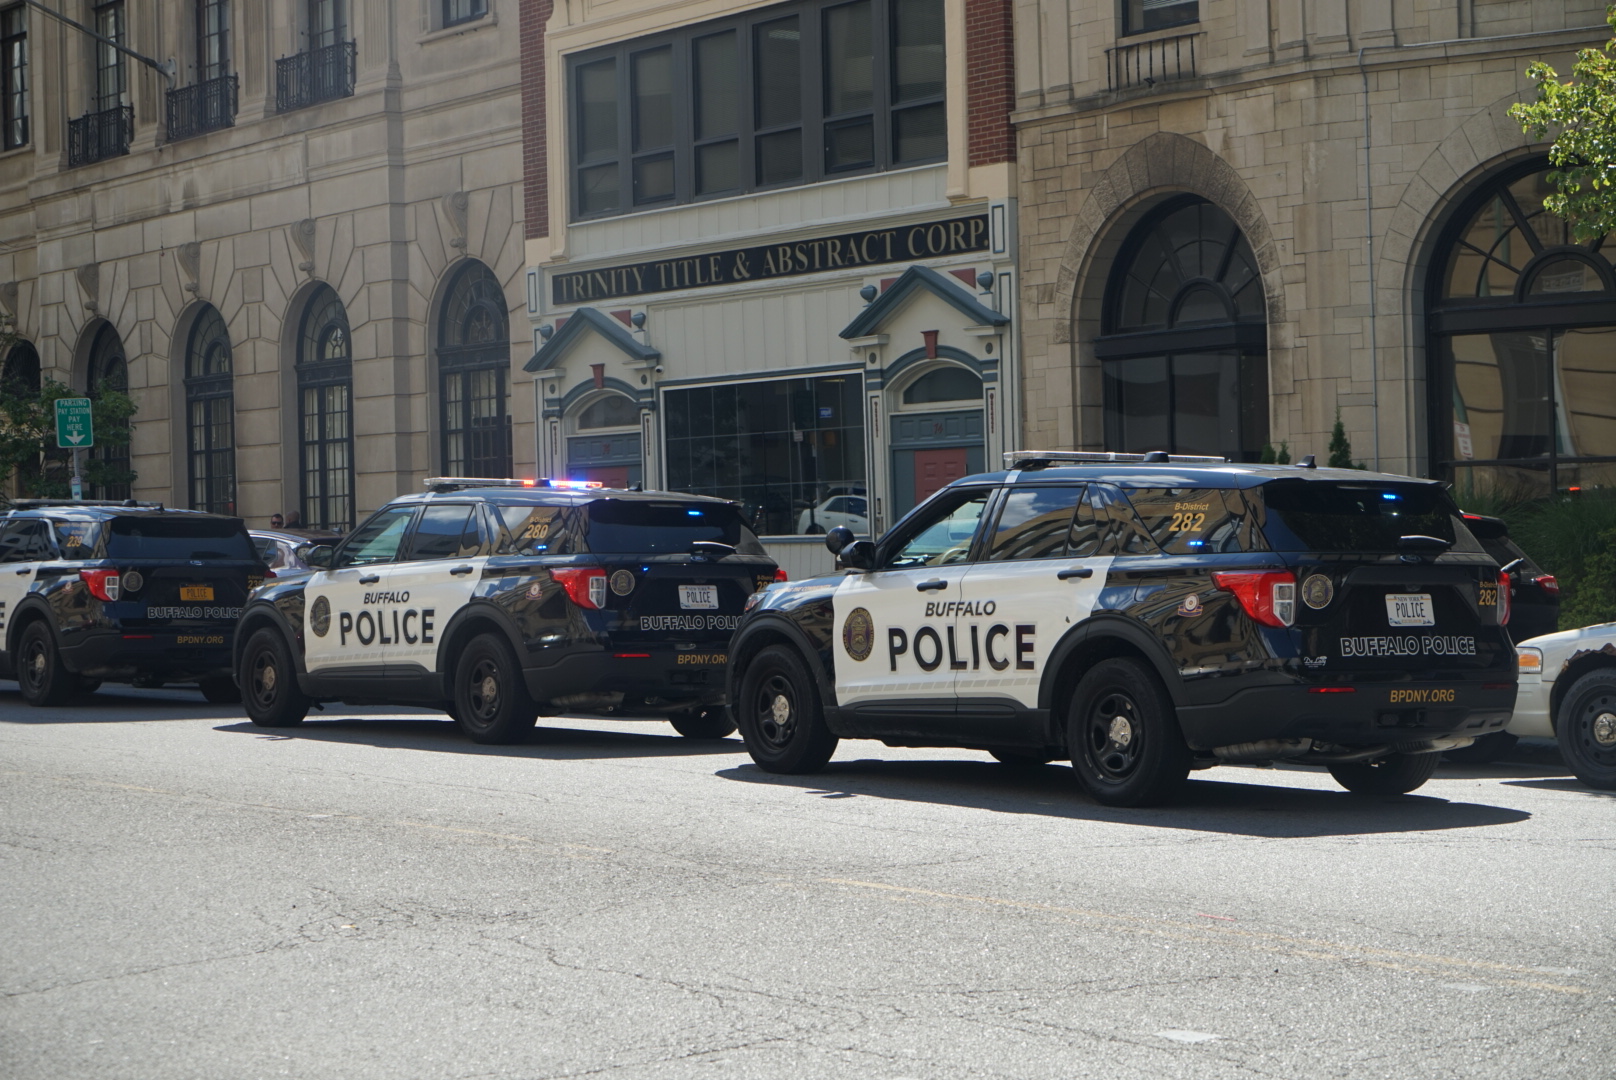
(944, 534)
(1119, 529)
(1035, 523)
(446, 532)
(25, 541)
(525, 529)
(1193, 521)
(77, 539)
(377, 540)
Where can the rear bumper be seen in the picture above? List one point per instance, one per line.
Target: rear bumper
(656, 676)
(1531, 716)
(1371, 714)
(166, 655)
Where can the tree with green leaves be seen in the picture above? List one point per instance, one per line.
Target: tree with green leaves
(1341, 447)
(1582, 114)
(31, 464)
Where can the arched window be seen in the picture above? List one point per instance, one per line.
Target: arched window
(108, 369)
(210, 429)
(474, 361)
(325, 414)
(20, 375)
(610, 411)
(944, 384)
(1523, 346)
(1184, 350)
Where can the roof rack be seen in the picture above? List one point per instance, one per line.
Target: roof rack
(1042, 459)
(35, 504)
(460, 483)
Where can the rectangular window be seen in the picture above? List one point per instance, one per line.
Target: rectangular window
(456, 12)
(1036, 523)
(1196, 521)
(327, 24)
(792, 95)
(784, 448)
(212, 39)
(111, 76)
(1141, 15)
(14, 76)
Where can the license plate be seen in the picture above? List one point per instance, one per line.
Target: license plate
(698, 597)
(1409, 609)
(196, 592)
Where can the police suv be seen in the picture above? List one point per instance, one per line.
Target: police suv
(1143, 615)
(498, 599)
(122, 592)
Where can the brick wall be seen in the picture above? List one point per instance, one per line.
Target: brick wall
(535, 15)
(990, 82)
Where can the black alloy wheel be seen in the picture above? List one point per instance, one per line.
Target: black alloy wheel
(491, 701)
(1586, 727)
(779, 714)
(40, 674)
(272, 697)
(710, 722)
(1398, 774)
(1126, 745)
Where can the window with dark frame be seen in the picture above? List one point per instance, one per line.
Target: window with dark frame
(327, 23)
(210, 425)
(789, 95)
(1140, 16)
(325, 414)
(212, 39)
(108, 369)
(474, 360)
(455, 12)
(14, 76)
(111, 74)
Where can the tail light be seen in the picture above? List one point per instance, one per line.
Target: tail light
(585, 585)
(104, 584)
(1269, 596)
(1505, 602)
(781, 575)
(1548, 583)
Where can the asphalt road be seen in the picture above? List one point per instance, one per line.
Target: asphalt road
(369, 895)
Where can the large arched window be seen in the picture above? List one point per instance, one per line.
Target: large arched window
(20, 374)
(210, 429)
(108, 369)
(1183, 351)
(1523, 346)
(325, 414)
(474, 361)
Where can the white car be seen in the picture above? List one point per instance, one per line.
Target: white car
(1568, 691)
(850, 510)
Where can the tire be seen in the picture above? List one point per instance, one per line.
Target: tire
(1586, 726)
(1126, 745)
(1485, 749)
(40, 674)
(709, 723)
(780, 715)
(220, 691)
(272, 697)
(1398, 774)
(491, 701)
(1021, 761)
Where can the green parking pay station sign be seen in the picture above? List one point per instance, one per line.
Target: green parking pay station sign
(73, 427)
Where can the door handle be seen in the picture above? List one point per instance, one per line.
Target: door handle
(462, 570)
(932, 586)
(369, 579)
(21, 573)
(1076, 572)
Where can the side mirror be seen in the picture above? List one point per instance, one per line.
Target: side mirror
(316, 555)
(838, 538)
(859, 555)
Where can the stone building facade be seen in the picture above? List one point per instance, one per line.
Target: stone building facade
(1202, 271)
(301, 254)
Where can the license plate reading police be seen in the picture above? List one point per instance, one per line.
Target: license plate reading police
(698, 597)
(196, 592)
(1409, 609)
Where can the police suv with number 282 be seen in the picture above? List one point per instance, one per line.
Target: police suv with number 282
(1143, 615)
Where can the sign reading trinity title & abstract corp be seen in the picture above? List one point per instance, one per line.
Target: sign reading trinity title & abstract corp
(871, 247)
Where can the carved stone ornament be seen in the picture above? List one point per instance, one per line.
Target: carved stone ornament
(8, 297)
(455, 206)
(303, 239)
(190, 260)
(89, 276)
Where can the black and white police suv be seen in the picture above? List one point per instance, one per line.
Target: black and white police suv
(120, 592)
(495, 600)
(1143, 615)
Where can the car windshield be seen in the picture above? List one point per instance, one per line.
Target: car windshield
(630, 527)
(180, 537)
(1330, 517)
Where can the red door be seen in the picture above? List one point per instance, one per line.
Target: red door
(937, 468)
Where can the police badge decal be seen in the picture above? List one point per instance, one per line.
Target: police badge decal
(858, 634)
(320, 616)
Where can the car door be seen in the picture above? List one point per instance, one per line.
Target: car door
(1039, 576)
(341, 638)
(24, 545)
(435, 577)
(897, 651)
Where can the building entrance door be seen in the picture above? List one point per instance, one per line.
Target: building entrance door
(935, 469)
(931, 450)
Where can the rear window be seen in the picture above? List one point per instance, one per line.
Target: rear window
(1312, 515)
(180, 537)
(1194, 521)
(625, 527)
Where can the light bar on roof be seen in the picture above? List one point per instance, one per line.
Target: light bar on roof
(456, 483)
(574, 485)
(1015, 459)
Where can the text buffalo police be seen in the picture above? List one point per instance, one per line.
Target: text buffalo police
(967, 646)
(410, 625)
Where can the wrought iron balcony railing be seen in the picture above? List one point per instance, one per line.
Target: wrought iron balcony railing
(207, 106)
(100, 135)
(1147, 63)
(309, 78)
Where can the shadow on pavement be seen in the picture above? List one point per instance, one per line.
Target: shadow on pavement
(1216, 806)
(1568, 784)
(112, 705)
(441, 736)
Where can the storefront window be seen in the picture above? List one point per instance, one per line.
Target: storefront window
(1523, 348)
(784, 448)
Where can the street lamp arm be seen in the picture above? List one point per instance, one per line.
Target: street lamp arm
(165, 70)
